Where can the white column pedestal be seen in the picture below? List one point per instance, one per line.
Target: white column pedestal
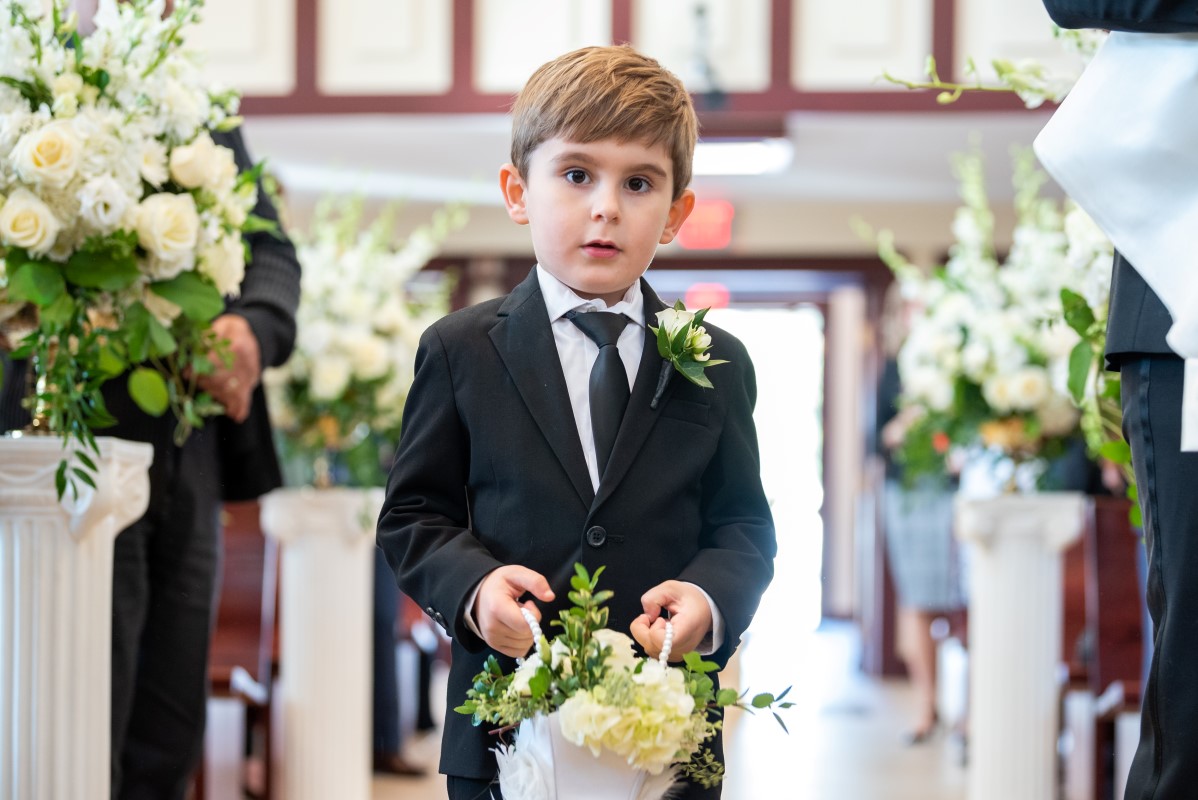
(327, 546)
(56, 615)
(1015, 639)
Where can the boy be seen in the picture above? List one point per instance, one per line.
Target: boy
(502, 479)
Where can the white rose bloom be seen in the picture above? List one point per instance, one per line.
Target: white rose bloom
(103, 203)
(1029, 388)
(330, 375)
(194, 165)
(673, 320)
(66, 88)
(998, 393)
(224, 262)
(28, 223)
(315, 336)
(153, 166)
(1058, 416)
(368, 356)
(622, 654)
(975, 358)
(168, 228)
(224, 169)
(48, 155)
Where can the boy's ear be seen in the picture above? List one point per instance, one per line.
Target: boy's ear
(680, 209)
(512, 186)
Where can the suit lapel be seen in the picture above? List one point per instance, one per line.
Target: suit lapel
(639, 418)
(525, 343)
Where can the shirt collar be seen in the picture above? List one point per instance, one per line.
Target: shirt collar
(560, 298)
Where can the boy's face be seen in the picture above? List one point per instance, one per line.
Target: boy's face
(596, 211)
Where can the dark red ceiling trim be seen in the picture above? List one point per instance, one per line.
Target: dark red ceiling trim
(780, 45)
(463, 46)
(944, 34)
(621, 21)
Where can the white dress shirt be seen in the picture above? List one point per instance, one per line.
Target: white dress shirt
(1124, 146)
(577, 354)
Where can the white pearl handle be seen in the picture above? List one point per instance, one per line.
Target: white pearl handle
(666, 646)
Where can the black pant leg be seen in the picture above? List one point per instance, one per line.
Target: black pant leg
(1165, 766)
(385, 682)
(471, 789)
(164, 738)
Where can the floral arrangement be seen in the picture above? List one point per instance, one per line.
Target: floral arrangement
(1085, 296)
(653, 718)
(120, 217)
(359, 322)
(682, 343)
(986, 363)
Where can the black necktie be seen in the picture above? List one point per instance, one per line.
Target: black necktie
(609, 379)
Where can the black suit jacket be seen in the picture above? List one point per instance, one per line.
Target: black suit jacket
(490, 471)
(269, 297)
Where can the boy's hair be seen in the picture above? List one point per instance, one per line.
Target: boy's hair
(606, 93)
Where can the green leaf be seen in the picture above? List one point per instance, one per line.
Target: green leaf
(679, 342)
(726, 697)
(1118, 452)
(780, 722)
(693, 372)
(539, 683)
(58, 314)
(199, 299)
(148, 390)
(679, 305)
(1080, 362)
(102, 269)
(84, 476)
(110, 362)
(162, 343)
(1136, 516)
(663, 343)
(699, 315)
(38, 95)
(256, 224)
(36, 282)
(86, 460)
(60, 478)
(1133, 493)
(763, 700)
(1078, 314)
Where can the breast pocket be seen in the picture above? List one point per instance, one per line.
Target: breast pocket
(686, 411)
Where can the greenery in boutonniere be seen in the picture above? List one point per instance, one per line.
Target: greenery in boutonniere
(607, 698)
(682, 342)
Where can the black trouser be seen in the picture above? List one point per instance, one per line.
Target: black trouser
(165, 569)
(386, 688)
(1166, 763)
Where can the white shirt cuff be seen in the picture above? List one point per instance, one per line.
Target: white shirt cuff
(714, 640)
(468, 614)
(1189, 408)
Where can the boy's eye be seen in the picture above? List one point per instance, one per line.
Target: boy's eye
(639, 184)
(576, 176)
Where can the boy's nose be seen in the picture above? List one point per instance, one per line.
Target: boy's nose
(606, 205)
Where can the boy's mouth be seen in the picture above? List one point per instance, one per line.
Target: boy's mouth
(600, 248)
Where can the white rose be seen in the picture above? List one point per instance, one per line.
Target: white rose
(673, 320)
(168, 227)
(224, 263)
(622, 654)
(194, 165)
(330, 375)
(998, 393)
(224, 169)
(1029, 388)
(28, 223)
(522, 678)
(48, 155)
(152, 164)
(66, 88)
(368, 355)
(103, 203)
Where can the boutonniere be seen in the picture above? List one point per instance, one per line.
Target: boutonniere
(682, 342)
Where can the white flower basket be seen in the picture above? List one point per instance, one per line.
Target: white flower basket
(544, 765)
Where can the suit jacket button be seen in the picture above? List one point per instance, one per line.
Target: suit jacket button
(596, 536)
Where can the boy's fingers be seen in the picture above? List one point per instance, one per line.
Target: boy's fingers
(643, 634)
(527, 580)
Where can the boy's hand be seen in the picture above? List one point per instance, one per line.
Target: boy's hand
(688, 611)
(497, 608)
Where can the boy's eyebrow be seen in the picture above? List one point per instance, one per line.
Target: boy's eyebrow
(579, 157)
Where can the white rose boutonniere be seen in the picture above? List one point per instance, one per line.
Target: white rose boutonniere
(682, 342)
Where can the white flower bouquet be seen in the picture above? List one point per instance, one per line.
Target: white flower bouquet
(120, 217)
(987, 358)
(594, 720)
(360, 320)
